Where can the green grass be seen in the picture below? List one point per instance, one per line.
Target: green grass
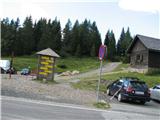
(151, 80)
(80, 64)
(120, 67)
(23, 62)
(91, 83)
(101, 105)
(71, 63)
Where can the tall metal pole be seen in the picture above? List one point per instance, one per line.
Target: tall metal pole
(100, 71)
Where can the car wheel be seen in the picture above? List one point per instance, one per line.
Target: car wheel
(108, 92)
(120, 97)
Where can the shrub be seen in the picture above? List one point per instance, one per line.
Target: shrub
(153, 71)
(125, 59)
(62, 66)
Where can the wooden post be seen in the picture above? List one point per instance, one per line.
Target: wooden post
(39, 57)
(53, 69)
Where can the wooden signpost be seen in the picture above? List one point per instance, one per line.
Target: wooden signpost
(46, 64)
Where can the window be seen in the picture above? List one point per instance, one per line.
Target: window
(119, 83)
(139, 58)
(125, 83)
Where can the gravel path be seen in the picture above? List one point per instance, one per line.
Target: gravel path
(25, 86)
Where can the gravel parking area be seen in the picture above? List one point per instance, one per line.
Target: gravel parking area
(25, 86)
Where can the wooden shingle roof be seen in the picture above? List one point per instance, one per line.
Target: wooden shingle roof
(48, 52)
(149, 42)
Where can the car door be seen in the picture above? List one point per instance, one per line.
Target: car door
(152, 92)
(112, 87)
(156, 91)
(117, 86)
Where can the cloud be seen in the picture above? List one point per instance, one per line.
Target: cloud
(52, 1)
(22, 9)
(140, 5)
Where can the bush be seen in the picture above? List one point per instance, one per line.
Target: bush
(153, 71)
(62, 66)
(125, 59)
(116, 59)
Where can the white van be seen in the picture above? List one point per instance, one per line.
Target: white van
(5, 65)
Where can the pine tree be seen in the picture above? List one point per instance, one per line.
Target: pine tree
(127, 41)
(93, 51)
(128, 38)
(38, 30)
(85, 37)
(66, 41)
(106, 41)
(9, 36)
(110, 42)
(27, 36)
(78, 51)
(95, 40)
(46, 37)
(5, 37)
(75, 38)
(56, 36)
(18, 45)
(120, 50)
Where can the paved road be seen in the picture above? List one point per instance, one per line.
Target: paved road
(22, 109)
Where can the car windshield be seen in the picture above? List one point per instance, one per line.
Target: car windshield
(138, 85)
(156, 87)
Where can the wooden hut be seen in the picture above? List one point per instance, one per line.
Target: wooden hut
(144, 52)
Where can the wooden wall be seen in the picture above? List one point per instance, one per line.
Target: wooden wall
(139, 55)
(154, 59)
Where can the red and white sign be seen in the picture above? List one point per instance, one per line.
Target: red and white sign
(102, 51)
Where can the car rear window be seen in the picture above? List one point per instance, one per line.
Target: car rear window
(136, 84)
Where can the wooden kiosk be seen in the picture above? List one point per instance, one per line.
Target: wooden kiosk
(46, 64)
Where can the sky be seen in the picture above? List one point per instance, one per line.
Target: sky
(141, 16)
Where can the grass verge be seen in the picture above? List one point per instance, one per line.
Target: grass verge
(150, 80)
(62, 64)
(88, 85)
(101, 105)
(91, 84)
(120, 67)
(81, 64)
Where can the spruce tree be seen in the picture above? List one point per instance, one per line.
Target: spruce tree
(27, 36)
(66, 41)
(95, 40)
(120, 50)
(110, 42)
(56, 42)
(75, 38)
